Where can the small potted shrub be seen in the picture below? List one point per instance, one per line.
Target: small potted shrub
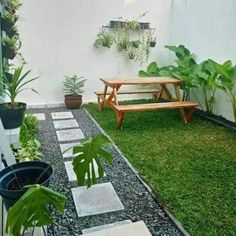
(73, 88)
(12, 113)
(10, 46)
(104, 39)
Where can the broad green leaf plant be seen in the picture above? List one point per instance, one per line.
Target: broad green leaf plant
(227, 73)
(89, 152)
(32, 210)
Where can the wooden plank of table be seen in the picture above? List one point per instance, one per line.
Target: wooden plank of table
(111, 82)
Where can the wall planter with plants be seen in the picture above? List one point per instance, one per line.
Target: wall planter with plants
(27, 213)
(8, 20)
(73, 88)
(128, 35)
(12, 113)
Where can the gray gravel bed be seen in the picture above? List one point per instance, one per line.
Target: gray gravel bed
(138, 202)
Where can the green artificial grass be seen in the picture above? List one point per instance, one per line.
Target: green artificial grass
(191, 167)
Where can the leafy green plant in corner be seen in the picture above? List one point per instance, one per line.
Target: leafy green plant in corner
(16, 85)
(104, 39)
(184, 70)
(227, 79)
(207, 80)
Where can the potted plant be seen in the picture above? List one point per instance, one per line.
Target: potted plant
(10, 46)
(104, 39)
(13, 32)
(28, 213)
(8, 20)
(73, 87)
(14, 178)
(153, 42)
(13, 5)
(12, 113)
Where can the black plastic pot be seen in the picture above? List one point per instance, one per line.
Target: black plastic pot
(131, 56)
(12, 118)
(7, 25)
(26, 172)
(152, 44)
(144, 25)
(8, 52)
(11, 33)
(118, 24)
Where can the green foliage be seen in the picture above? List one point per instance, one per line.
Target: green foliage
(13, 43)
(207, 79)
(89, 152)
(16, 85)
(123, 44)
(154, 71)
(30, 151)
(191, 168)
(13, 5)
(10, 17)
(184, 70)
(32, 209)
(227, 79)
(104, 39)
(28, 129)
(73, 85)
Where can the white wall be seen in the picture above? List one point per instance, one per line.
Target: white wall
(207, 28)
(58, 37)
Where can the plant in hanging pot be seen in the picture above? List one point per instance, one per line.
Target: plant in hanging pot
(8, 20)
(104, 39)
(153, 42)
(13, 32)
(13, 5)
(12, 113)
(10, 46)
(73, 88)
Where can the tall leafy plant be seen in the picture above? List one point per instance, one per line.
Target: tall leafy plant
(227, 73)
(186, 64)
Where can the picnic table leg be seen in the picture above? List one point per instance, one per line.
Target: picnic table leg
(101, 104)
(120, 116)
(178, 98)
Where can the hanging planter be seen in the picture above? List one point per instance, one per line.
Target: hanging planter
(7, 25)
(131, 55)
(145, 25)
(8, 52)
(153, 44)
(12, 32)
(8, 20)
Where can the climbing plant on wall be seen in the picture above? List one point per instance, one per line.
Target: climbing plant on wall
(130, 36)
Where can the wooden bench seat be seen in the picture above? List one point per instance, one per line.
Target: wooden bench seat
(120, 109)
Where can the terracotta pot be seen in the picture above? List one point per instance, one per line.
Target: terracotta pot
(73, 101)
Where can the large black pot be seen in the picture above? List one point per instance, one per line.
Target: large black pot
(26, 172)
(12, 118)
(8, 52)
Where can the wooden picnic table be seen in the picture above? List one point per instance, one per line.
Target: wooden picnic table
(111, 97)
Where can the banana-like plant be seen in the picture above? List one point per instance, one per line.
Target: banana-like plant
(227, 73)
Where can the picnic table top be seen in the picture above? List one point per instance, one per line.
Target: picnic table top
(140, 81)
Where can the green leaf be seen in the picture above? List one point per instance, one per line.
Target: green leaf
(89, 152)
(142, 73)
(32, 209)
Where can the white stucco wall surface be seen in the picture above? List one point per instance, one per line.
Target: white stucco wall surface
(207, 28)
(58, 36)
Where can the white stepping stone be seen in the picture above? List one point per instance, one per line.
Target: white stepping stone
(61, 115)
(134, 229)
(63, 124)
(69, 135)
(100, 198)
(108, 226)
(71, 174)
(39, 116)
(66, 146)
